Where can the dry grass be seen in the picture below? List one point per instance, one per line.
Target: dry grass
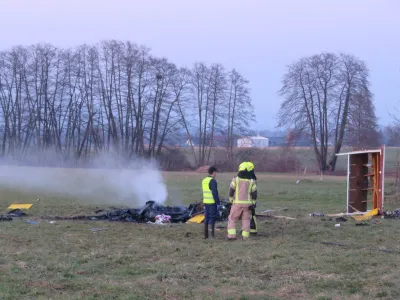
(66, 260)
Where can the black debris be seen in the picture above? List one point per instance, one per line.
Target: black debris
(5, 218)
(316, 214)
(15, 213)
(362, 224)
(341, 219)
(149, 212)
(394, 214)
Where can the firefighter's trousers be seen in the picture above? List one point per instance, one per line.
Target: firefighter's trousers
(239, 211)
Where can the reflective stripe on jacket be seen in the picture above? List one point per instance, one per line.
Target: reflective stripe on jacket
(243, 189)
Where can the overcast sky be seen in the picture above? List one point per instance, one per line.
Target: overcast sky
(257, 37)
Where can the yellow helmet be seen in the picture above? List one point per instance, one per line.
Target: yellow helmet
(243, 166)
(250, 166)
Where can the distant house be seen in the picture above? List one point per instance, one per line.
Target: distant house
(189, 143)
(253, 142)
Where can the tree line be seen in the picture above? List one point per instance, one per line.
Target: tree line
(114, 96)
(118, 97)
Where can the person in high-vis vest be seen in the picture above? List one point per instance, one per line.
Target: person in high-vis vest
(211, 201)
(253, 221)
(242, 195)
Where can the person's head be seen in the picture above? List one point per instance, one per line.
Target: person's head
(212, 171)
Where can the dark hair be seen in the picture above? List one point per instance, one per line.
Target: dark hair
(212, 170)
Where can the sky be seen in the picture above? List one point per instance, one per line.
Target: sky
(259, 38)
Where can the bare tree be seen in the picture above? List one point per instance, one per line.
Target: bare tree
(307, 87)
(240, 114)
(352, 80)
(112, 96)
(318, 91)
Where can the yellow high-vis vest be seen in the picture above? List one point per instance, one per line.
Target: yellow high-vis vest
(207, 194)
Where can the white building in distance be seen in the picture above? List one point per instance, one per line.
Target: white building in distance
(253, 142)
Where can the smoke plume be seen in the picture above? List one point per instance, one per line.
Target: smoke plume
(108, 180)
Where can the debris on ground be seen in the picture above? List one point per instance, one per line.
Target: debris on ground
(362, 224)
(274, 210)
(5, 218)
(341, 219)
(161, 220)
(394, 214)
(197, 219)
(32, 222)
(14, 213)
(150, 212)
(97, 229)
(316, 214)
(20, 206)
(274, 217)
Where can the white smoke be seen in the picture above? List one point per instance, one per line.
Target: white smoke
(113, 181)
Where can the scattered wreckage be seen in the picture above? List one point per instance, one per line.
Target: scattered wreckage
(361, 217)
(394, 214)
(14, 213)
(151, 212)
(156, 213)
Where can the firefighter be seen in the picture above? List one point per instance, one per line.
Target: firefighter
(242, 195)
(253, 221)
(210, 200)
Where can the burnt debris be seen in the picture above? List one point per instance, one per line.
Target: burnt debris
(149, 213)
(394, 214)
(15, 213)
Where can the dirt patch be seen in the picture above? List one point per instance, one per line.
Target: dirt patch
(148, 280)
(313, 275)
(203, 169)
(5, 267)
(42, 284)
(92, 291)
(258, 293)
(21, 264)
(289, 291)
(207, 290)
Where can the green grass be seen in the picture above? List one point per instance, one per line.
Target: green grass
(66, 260)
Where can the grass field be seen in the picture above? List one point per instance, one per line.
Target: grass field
(287, 260)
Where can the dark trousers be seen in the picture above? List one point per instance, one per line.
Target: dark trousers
(253, 223)
(210, 218)
(211, 213)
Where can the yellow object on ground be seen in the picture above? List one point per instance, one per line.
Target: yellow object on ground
(367, 215)
(198, 219)
(20, 206)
